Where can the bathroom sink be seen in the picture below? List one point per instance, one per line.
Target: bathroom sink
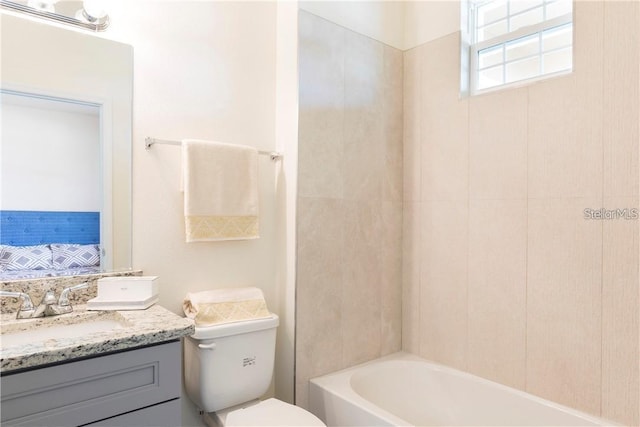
(56, 328)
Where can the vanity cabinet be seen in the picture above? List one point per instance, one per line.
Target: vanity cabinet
(139, 387)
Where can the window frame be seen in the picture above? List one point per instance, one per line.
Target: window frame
(474, 48)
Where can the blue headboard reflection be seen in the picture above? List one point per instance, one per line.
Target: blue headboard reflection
(26, 228)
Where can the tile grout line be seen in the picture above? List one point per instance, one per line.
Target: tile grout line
(418, 140)
(468, 336)
(526, 252)
(602, 137)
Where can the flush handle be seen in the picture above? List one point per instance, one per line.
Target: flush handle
(211, 346)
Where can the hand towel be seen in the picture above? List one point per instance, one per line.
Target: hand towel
(220, 191)
(225, 306)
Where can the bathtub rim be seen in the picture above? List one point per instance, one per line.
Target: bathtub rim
(344, 391)
(347, 394)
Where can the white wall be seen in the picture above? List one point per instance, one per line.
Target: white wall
(380, 20)
(429, 20)
(286, 184)
(203, 70)
(400, 24)
(51, 159)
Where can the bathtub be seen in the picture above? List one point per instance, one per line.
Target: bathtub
(406, 390)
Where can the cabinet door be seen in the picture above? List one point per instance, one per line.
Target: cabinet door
(166, 414)
(85, 391)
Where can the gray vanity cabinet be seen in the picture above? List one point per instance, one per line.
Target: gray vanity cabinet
(139, 387)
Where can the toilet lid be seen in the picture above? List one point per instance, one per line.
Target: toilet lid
(272, 412)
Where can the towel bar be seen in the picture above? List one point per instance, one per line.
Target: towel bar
(148, 142)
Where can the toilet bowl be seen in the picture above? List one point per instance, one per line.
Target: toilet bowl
(269, 412)
(228, 367)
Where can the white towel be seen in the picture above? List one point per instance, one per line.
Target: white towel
(220, 191)
(225, 306)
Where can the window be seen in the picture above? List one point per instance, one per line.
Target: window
(515, 40)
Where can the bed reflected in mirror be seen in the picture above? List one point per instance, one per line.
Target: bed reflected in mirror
(50, 211)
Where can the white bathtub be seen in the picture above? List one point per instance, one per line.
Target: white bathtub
(405, 390)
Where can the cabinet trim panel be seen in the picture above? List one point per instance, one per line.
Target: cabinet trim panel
(84, 391)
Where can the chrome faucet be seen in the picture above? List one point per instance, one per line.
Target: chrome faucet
(64, 306)
(26, 309)
(48, 306)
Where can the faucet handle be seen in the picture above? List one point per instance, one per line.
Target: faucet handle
(26, 299)
(63, 301)
(26, 308)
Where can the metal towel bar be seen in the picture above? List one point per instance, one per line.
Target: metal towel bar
(148, 142)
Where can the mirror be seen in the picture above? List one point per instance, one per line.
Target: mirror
(71, 95)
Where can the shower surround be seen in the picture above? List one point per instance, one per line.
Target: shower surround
(504, 277)
(349, 226)
(502, 274)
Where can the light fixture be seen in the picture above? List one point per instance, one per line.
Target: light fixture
(92, 16)
(92, 12)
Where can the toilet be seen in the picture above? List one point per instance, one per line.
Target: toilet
(227, 367)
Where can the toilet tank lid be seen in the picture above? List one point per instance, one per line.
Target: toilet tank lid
(235, 328)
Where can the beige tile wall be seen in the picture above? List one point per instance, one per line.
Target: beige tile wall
(349, 225)
(502, 275)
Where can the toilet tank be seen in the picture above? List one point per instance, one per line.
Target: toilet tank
(229, 364)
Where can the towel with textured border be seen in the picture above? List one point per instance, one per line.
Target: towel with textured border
(220, 191)
(225, 306)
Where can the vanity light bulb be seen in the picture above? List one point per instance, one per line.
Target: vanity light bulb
(94, 9)
(45, 5)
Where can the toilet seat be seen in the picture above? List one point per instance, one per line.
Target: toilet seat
(272, 412)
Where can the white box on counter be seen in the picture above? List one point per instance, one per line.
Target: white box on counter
(127, 288)
(109, 305)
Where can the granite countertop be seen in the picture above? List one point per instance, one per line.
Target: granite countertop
(135, 328)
